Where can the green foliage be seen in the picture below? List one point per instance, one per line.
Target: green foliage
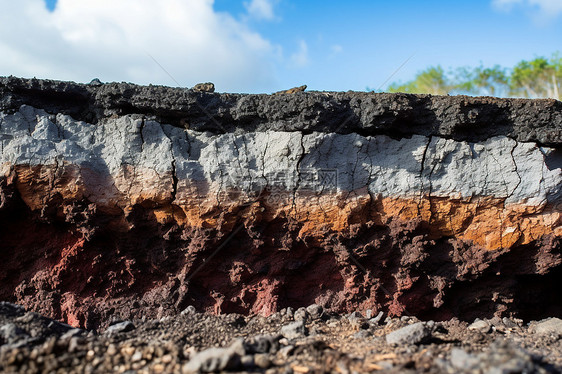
(540, 77)
(537, 78)
(433, 81)
(483, 81)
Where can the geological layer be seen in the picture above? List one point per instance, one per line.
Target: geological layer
(123, 201)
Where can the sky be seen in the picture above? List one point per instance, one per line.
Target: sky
(262, 46)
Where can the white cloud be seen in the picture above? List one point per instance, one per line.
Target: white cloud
(110, 40)
(543, 9)
(300, 58)
(260, 9)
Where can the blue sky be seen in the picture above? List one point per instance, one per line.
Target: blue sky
(268, 45)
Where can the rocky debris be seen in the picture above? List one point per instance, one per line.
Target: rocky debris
(301, 314)
(189, 310)
(292, 90)
(11, 334)
(548, 326)
(376, 320)
(315, 311)
(263, 344)
(200, 342)
(204, 87)
(294, 330)
(95, 82)
(412, 334)
(213, 360)
(480, 325)
(120, 327)
(501, 357)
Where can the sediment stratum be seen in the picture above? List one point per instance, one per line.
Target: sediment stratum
(131, 201)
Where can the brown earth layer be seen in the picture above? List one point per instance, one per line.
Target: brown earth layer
(85, 261)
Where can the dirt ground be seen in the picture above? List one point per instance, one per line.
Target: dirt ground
(302, 341)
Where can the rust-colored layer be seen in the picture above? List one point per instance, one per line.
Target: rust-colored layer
(72, 257)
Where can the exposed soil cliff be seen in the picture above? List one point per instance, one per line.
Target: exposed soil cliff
(121, 200)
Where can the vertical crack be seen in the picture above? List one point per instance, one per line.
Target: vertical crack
(516, 170)
(422, 167)
(174, 179)
(298, 169)
(141, 129)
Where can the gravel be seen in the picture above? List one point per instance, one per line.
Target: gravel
(199, 342)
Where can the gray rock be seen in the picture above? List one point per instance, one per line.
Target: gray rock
(301, 314)
(480, 325)
(377, 319)
(509, 323)
(214, 360)
(204, 87)
(315, 311)
(12, 334)
(290, 313)
(72, 333)
(120, 327)
(189, 310)
(501, 357)
(549, 326)
(412, 334)
(294, 330)
(462, 360)
(95, 82)
(263, 344)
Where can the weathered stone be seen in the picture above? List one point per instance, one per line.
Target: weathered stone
(294, 330)
(411, 334)
(189, 310)
(480, 325)
(216, 359)
(204, 87)
(301, 314)
(315, 311)
(120, 327)
(11, 334)
(549, 326)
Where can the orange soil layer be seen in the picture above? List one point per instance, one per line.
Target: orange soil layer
(485, 220)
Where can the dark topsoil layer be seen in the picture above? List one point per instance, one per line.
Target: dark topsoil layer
(397, 115)
(287, 342)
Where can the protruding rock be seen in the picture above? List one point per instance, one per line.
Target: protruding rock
(315, 311)
(204, 87)
(549, 326)
(214, 360)
(120, 327)
(480, 325)
(292, 90)
(294, 330)
(412, 334)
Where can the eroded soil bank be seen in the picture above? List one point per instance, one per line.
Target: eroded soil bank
(126, 202)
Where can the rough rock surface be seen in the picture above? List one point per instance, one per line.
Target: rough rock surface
(119, 201)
